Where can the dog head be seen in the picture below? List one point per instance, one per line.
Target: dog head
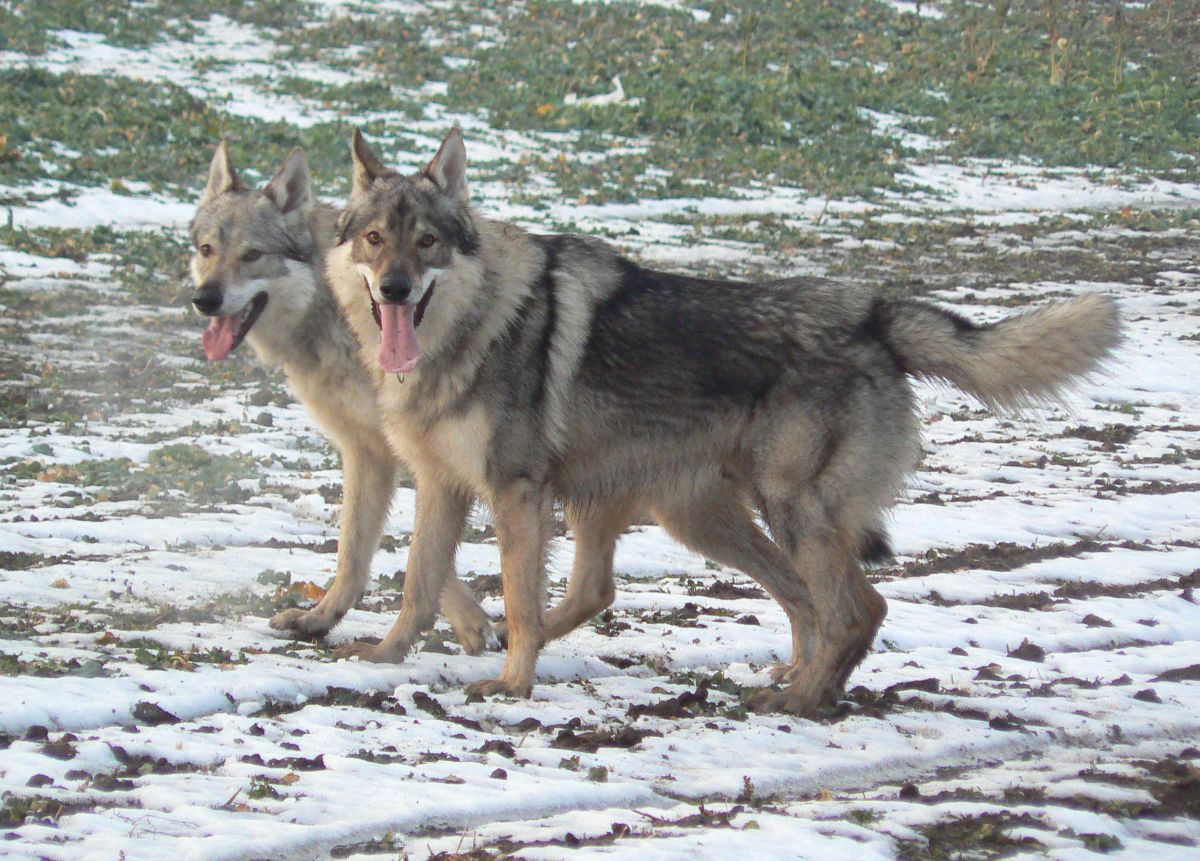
(402, 232)
(253, 254)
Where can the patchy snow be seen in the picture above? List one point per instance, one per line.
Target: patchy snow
(231, 54)
(1114, 621)
(893, 125)
(89, 207)
(921, 10)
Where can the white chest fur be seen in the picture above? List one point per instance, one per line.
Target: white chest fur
(453, 447)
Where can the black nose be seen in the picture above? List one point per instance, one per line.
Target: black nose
(396, 289)
(208, 299)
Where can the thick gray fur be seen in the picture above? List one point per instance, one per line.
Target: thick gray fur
(554, 368)
(302, 331)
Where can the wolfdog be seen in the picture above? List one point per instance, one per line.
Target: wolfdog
(525, 369)
(258, 271)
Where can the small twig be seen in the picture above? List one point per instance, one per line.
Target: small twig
(821, 214)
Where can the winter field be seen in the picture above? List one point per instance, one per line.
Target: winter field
(1035, 690)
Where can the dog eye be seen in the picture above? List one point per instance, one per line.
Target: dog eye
(427, 240)
(205, 250)
(374, 238)
(252, 255)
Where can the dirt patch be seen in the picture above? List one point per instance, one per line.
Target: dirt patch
(1002, 556)
(687, 704)
(1182, 674)
(727, 590)
(591, 741)
(1109, 436)
(982, 836)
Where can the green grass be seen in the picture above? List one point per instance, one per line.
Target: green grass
(150, 264)
(1051, 81)
(763, 93)
(124, 130)
(773, 94)
(379, 95)
(28, 25)
(181, 468)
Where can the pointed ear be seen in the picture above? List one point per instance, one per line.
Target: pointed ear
(367, 166)
(221, 175)
(289, 189)
(448, 170)
(341, 227)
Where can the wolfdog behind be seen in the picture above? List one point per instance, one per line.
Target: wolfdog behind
(524, 369)
(258, 270)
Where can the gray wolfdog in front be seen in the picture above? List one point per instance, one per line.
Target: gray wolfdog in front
(258, 268)
(523, 369)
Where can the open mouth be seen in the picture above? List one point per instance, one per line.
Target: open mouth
(399, 351)
(225, 333)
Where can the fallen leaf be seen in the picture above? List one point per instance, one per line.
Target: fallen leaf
(311, 591)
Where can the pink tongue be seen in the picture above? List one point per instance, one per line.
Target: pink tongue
(218, 338)
(399, 352)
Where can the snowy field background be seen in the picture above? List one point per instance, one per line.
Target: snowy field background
(1035, 691)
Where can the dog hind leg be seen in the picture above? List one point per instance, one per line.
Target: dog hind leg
(591, 590)
(826, 554)
(722, 528)
(472, 627)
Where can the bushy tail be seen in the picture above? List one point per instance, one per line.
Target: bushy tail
(1020, 361)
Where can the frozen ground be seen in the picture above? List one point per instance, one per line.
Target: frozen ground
(1035, 691)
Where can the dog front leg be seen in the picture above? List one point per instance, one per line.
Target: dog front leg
(368, 481)
(521, 512)
(441, 513)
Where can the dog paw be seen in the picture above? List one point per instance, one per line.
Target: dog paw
(802, 703)
(366, 650)
(477, 639)
(500, 632)
(782, 674)
(499, 688)
(303, 624)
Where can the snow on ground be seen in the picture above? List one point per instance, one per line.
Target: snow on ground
(1042, 626)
